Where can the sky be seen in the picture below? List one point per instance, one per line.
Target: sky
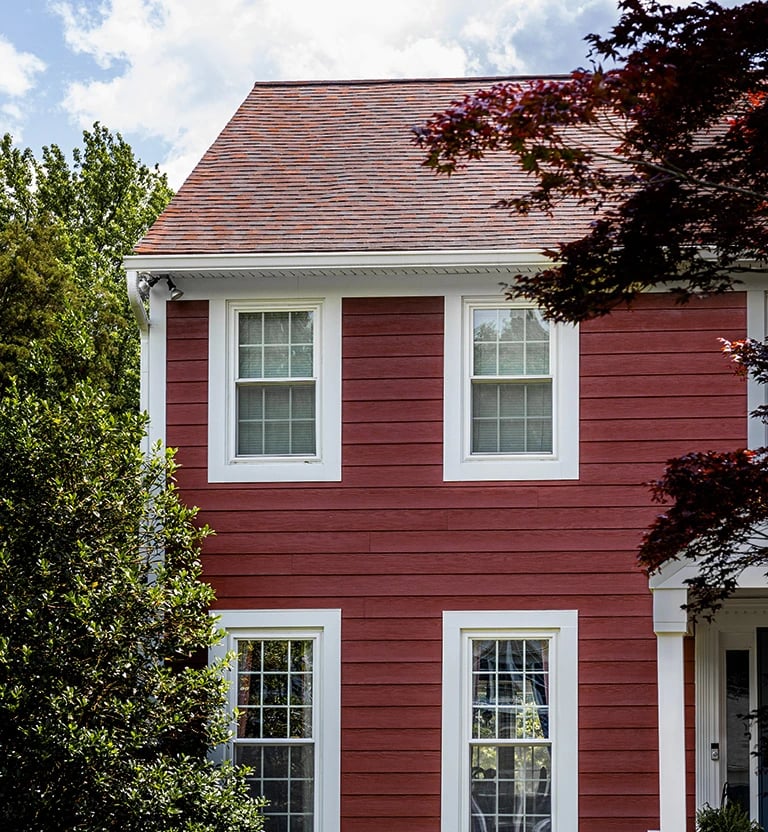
(168, 74)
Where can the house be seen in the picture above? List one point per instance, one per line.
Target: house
(427, 499)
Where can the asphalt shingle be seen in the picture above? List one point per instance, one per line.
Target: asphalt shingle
(330, 166)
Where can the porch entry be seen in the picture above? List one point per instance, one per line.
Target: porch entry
(731, 685)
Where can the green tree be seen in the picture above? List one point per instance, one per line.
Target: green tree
(91, 211)
(34, 286)
(665, 141)
(105, 717)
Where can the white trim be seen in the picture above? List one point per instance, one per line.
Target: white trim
(561, 626)
(739, 617)
(442, 258)
(459, 464)
(155, 365)
(324, 625)
(223, 463)
(670, 623)
(670, 668)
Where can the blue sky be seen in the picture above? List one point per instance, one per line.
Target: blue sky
(167, 74)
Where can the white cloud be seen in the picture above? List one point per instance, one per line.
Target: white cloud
(18, 71)
(177, 69)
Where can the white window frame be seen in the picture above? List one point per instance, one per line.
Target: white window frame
(459, 463)
(224, 463)
(324, 627)
(459, 628)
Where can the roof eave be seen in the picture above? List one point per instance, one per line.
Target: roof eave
(334, 262)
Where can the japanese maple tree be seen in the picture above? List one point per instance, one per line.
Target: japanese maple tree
(665, 140)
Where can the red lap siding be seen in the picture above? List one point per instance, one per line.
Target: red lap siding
(394, 546)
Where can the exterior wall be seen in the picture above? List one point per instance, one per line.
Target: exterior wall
(393, 546)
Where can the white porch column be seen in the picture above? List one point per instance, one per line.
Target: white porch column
(670, 623)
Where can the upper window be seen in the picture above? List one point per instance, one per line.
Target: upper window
(511, 393)
(285, 699)
(509, 725)
(276, 383)
(511, 407)
(274, 407)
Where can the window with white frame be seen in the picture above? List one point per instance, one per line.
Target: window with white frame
(511, 381)
(285, 703)
(509, 721)
(276, 382)
(511, 392)
(275, 390)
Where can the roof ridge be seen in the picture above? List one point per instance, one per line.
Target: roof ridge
(369, 82)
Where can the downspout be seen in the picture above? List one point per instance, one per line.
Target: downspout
(142, 319)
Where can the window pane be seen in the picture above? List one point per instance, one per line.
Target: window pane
(485, 323)
(538, 437)
(274, 723)
(275, 688)
(251, 327)
(275, 345)
(277, 327)
(511, 788)
(250, 438)
(301, 361)
(250, 362)
(512, 324)
(301, 689)
(249, 689)
(511, 360)
(537, 359)
(486, 360)
(250, 344)
(276, 361)
(276, 420)
(737, 725)
(510, 342)
(512, 417)
(512, 436)
(300, 722)
(536, 328)
(510, 689)
(285, 775)
(301, 327)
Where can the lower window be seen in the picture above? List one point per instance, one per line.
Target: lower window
(510, 741)
(285, 704)
(509, 721)
(275, 734)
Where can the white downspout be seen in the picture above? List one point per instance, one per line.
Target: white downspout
(142, 320)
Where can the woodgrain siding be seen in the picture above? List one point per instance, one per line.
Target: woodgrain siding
(394, 546)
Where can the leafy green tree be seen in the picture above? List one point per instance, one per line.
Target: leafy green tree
(93, 212)
(34, 285)
(665, 141)
(105, 716)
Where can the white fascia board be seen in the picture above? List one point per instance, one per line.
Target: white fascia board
(275, 261)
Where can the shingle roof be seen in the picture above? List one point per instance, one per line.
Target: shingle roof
(330, 166)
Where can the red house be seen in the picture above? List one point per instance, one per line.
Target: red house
(428, 499)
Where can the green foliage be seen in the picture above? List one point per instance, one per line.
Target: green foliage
(105, 716)
(34, 285)
(730, 817)
(83, 218)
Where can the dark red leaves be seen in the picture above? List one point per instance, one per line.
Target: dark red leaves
(669, 150)
(718, 518)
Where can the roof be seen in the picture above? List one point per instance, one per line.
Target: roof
(331, 167)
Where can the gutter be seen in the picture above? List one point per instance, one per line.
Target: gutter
(136, 301)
